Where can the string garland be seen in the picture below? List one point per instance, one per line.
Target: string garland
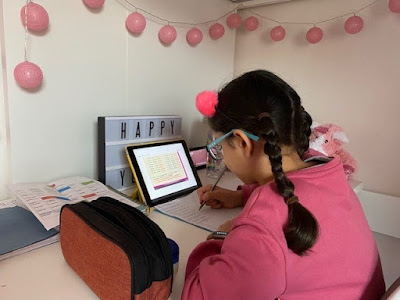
(242, 7)
(313, 23)
(27, 74)
(35, 18)
(26, 29)
(314, 35)
(181, 23)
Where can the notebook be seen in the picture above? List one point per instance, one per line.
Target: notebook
(21, 231)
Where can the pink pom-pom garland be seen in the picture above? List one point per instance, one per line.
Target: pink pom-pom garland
(28, 75)
(394, 6)
(94, 3)
(278, 33)
(194, 37)
(167, 34)
(234, 21)
(354, 25)
(216, 31)
(135, 23)
(314, 35)
(206, 102)
(251, 23)
(36, 17)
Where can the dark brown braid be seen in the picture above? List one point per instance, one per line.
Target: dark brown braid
(263, 104)
(304, 120)
(302, 229)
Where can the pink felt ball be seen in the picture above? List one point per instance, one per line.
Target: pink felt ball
(314, 35)
(251, 23)
(206, 102)
(278, 33)
(394, 6)
(234, 21)
(28, 75)
(194, 36)
(167, 34)
(37, 17)
(94, 3)
(354, 24)
(216, 31)
(135, 23)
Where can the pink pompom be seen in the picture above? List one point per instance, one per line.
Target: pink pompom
(234, 21)
(354, 24)
(135, 23)
(278, 33)
(28, 75)
(206, 102)
(194, 36)
(216, 31)
(94, 3)
(394, 6)
(167, 34)
(37, 17)
(314, 35)
(251, 23)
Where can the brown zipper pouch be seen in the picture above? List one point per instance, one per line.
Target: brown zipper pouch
(117, 251)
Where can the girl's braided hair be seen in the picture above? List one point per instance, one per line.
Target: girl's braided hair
(265, 105)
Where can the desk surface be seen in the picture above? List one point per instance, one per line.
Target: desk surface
(44, 274)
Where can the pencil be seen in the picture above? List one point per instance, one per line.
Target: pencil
(214, 185)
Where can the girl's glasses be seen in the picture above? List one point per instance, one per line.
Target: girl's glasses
(215, 149)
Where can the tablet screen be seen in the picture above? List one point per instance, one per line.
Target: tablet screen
(163, 171)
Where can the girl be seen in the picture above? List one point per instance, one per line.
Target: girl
(302, 233)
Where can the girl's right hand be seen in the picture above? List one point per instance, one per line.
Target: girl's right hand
(220, 197)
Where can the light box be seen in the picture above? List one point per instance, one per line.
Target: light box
(115, 133)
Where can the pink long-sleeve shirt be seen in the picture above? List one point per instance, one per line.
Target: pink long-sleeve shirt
(254, 262)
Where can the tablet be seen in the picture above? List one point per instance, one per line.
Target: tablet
(163, 171)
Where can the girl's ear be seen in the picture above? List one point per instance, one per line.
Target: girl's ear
(243, 142)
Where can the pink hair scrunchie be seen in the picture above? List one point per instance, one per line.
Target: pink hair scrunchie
(206, 102)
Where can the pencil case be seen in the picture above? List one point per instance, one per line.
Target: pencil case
(117, 250)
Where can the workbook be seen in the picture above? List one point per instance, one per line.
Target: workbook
(21, 232)
(45, 200)
(187, 209)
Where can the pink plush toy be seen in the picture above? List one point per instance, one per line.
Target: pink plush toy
(329, 139)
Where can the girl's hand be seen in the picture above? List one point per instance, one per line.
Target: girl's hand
(220, 197)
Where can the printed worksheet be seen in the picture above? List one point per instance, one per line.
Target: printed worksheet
(11, 203)
(46, 200)
(187, 209)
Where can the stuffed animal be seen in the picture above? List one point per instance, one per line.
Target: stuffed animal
(328, 139)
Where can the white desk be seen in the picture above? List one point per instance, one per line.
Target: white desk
(43, 273)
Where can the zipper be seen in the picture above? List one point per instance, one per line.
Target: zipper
(121, 218)
(153, 229)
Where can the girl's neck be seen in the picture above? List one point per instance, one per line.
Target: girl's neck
(291, 161)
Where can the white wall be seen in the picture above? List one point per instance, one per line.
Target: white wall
(93, 67)
(350, 80)
(5, 159)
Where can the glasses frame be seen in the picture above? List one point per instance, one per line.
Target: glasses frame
(220, 139)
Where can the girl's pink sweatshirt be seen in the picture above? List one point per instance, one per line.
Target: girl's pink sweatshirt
(254, 262)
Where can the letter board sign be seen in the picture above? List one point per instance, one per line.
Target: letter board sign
(114, 133)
